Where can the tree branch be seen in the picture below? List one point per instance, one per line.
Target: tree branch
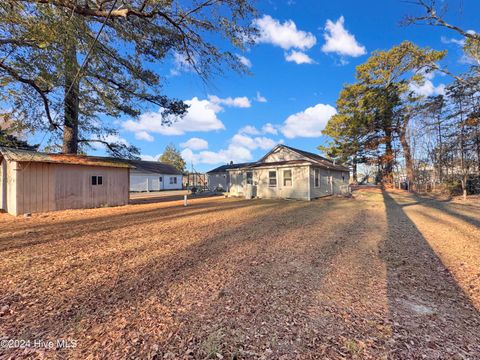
(35, 86)
(432, 18)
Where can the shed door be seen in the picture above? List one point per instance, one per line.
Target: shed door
(98, 189)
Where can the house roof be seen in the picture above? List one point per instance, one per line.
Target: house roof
(21, 155)
(224, 168)
(154, 167)
(278, 163)
(309, 157)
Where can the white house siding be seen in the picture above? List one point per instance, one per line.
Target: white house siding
(41, 187)
(298, 190)
(218, 180)
(326, 187)
(339, 178)
(140, 181)
(237, 183)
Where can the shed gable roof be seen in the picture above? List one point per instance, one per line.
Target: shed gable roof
(21, 155)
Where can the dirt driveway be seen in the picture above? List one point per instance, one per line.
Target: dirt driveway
(384, 275)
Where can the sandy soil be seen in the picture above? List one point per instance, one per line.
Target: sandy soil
(382, 275)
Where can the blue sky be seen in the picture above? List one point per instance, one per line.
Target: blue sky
(306, 51)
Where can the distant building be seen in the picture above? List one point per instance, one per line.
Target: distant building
(219, 178)
(154, 176)
(33, 182)
(286, 172)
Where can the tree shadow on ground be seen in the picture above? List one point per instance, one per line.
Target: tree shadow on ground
(444, 206)
(243, 252)
(432, 316)
(70, 229)
(150, 198)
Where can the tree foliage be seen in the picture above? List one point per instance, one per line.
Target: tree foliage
(375, 111)
(43, 45)
(12, 141)
(172, 156)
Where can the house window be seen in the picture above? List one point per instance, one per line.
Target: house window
(160, 178)
(173, 180)
(249, 177)
(316, 176)
(272, 178)
(97, 180)
(287, 177)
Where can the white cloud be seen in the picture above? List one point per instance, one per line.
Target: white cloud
(239, 148)
(241, 102)
(143, 135)
(245, 61)
(459, 42)
(180, 64)
(340, 41)
(110, 138)
(285, 35)
(150, 157)
(201, 116)
(250, 130)
(468, 60)
(252, 143)
(428, 89)
(298, 57)
(232, 153)
(308, 123)
(269, 128)
(195, 144)
(260, 98)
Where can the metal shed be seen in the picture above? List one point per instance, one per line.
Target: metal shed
(154, 176)
(33, 182)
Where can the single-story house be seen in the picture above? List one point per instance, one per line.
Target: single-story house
(219, 178)
(286, 172)
(33, 182)
(154, 176)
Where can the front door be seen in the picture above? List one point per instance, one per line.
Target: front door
(160, 179)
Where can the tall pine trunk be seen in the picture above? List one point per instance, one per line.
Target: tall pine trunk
(407, 155)
(402, 128)
(354, 171)
(71, 102)
(389, 158)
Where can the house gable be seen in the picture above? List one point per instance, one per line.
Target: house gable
(282, 153)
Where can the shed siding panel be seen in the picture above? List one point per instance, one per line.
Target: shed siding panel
(47, 187)
(3, 185)
(12, 177)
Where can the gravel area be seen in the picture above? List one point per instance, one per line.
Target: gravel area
(383, 275)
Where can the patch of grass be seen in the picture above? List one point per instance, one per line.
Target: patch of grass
(354, 347)
(212, 345)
